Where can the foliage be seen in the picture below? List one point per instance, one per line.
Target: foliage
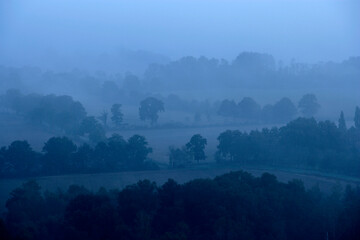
(308, 105)
(117, 115)
(235, 205)
(93, 129)
(301, 143)
(149, 109)
(249, 111)
(179, 157)
(196, 147)
(54, 111)
(61, 156)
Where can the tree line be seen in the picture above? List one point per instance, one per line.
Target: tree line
(61, 156)
(65, 115)
(284, 110)
(303, 142)
(232, 206)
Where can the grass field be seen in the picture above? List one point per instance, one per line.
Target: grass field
(326, 182)
(12, 128)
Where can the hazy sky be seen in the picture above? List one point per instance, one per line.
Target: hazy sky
(307, 30)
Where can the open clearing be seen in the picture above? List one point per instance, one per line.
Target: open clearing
(119, 180)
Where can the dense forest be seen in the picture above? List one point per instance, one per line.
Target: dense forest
(232, 206)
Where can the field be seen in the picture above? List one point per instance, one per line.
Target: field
(12, 128)
(325, 182)
(159, 140)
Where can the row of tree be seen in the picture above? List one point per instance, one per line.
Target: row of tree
(65, 114)
(250, 70)
(282, 111)
(303, 142)
(61, 156)
(233, 206)
(192, 151)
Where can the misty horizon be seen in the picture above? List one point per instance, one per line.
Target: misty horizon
(52, 33)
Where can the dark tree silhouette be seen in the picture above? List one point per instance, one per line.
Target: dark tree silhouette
(196, 147)
(150, 108)
(21, 157)
(58, 152)
(137, 150)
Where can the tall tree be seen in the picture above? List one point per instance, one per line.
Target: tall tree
(117, 115)
(196, 147)
(150, 108)
(103, 118)
(342, 123)
(357, 117)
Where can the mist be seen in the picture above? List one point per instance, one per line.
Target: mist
(67, 34)
(169, 119)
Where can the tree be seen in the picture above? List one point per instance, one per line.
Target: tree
(82, 158)
(357, 118)
(137, 150)
(92, 215)
(227, 108)
(58, 152)
(179, 157)
(284, 110)
(117, 151)
(196, 147)
(342, 123)
(226, 141)
(308, 105)
(93, 128)
(149, 109)
(21, 156)
(24, 208)
(103, 118)
(249, 109)
(117, 115)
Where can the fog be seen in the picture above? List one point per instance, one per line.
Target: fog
(64, 34)
(179, 119)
